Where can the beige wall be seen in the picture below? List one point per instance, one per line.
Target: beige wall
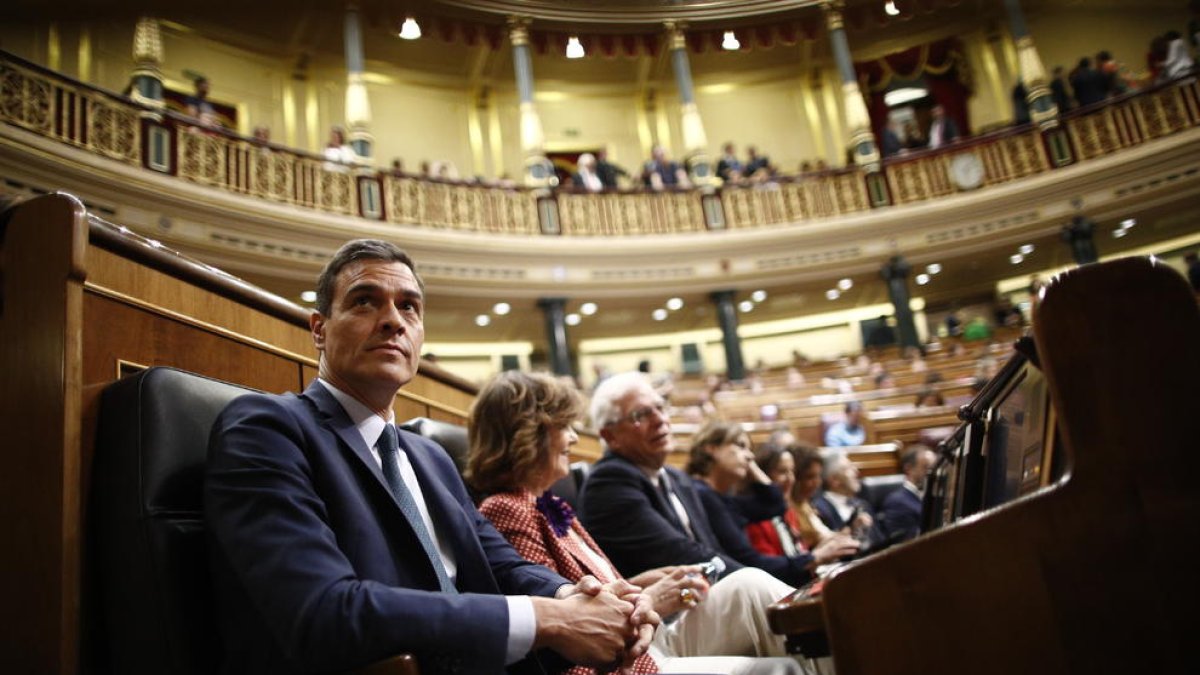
(1062, 37)
(793, 112)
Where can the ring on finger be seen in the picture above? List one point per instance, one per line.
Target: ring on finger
(688, 597)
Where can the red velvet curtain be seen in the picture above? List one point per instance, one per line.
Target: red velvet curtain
(943, 66)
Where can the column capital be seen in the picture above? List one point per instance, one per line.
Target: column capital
(895, 268)
(518, 30)
(147, 43)
(675, 36)
(833, 14)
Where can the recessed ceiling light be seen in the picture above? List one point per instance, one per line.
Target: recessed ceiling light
(1128, 223)
(759, 295)
(746, 305)
(482, 320)
(674, 304)
(890, 8)
(1120, 232)
(1016, 258)
(922, 279)
(832, 294)
(659, 314)
(587, 308)
(846, 284)
(933, 268)
(574, 49)
(410, 30)
(1026, 249)
(309, 296)
(501, 308)
(573, 319)
(730, 42)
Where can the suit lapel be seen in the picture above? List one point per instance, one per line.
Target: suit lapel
(336, 420)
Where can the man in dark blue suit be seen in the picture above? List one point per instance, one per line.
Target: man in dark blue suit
(900, 516)
(337, 540)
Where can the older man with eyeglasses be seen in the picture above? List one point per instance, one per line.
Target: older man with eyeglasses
(646, 515)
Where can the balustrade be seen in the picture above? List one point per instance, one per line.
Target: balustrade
(56, 107)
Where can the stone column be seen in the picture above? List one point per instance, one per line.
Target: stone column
(538, 171)
(1042, 108)
(895, 273)
(1077, 234)
(554, 310)
(358, 107)
(147, 83)
(695, 141)
(858, 121)
(735, 365)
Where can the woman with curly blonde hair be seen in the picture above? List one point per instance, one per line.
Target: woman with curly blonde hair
(521, 434)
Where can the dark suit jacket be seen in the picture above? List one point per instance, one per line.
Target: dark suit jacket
(316, 568)
(829, 513)
(635, 526)
(900, 517)
(725, 514)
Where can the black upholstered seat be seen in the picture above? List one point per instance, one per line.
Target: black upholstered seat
(147, 528)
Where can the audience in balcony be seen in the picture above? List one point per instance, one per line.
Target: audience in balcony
(1089, 84)
(942, 129)
(758, 167)
(585, 177)
(338, 149)
(729, 167)
(607, 171)
(1059, 90)
(914, 138)
(890, 143)
(1178, 60)
(261, 134)
(199, 107)
(1020, 101)
(661, 172)
(848, 430)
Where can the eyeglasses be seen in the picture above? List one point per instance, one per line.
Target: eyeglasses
(639, 415)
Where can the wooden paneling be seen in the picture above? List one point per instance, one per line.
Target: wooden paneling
(169, 294)
(40, 299)
(78, 299)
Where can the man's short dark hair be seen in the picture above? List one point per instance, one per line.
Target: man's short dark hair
(853, 406)
(911, 453)
(352, 251)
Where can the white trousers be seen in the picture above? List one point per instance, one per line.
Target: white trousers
(728, 632)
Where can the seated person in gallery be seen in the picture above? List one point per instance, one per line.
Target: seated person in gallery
(521, 433)
(735, 492)
(337, 539)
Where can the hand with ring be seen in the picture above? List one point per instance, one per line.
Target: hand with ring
(684, 588)
(689, 597)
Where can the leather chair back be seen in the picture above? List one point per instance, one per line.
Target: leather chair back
(147, 526)
(452, 437)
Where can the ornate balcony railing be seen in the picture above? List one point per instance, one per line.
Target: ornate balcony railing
(56, 107)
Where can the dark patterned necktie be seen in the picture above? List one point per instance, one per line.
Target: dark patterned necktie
(389, 452)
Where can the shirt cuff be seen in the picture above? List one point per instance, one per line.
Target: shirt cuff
(522, 628)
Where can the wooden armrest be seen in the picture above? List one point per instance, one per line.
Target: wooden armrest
(402, 664)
